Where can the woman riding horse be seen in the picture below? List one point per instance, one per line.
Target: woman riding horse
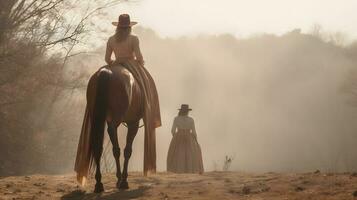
(121, 92)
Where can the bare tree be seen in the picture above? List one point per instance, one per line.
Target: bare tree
(36, 38)
(30, 28)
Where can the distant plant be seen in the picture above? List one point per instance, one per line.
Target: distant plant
(227, 163)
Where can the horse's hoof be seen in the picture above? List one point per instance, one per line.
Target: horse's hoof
(124, 185)
(99, 188)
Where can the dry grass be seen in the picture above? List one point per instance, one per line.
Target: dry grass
(211, 185)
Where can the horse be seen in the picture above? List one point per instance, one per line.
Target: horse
(113, 97)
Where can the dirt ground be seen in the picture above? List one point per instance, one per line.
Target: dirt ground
(210, 185)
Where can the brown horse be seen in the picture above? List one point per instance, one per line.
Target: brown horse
(114, 97)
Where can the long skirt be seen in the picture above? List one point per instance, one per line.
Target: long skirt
(184, 154)
(147, 85)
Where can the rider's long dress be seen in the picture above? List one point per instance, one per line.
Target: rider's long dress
(184, 154)
(127, 53)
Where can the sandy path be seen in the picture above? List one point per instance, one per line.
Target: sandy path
(211, 185)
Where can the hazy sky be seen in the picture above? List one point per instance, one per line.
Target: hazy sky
(241, 17)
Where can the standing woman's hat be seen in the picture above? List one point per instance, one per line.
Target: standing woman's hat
(185, 107)
(124, 21)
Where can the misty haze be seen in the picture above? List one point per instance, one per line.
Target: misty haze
(274, 103)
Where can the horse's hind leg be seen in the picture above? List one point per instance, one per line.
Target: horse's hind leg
(98, 176)
(112, 131)
(132, 131)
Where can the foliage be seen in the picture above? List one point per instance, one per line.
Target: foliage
(36, 39)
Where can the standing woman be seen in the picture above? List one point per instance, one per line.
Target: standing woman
(184, 154)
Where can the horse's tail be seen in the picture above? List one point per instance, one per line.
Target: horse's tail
(99, 114)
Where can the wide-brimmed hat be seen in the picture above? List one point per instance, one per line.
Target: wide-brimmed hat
(185, 107)
(124, 21)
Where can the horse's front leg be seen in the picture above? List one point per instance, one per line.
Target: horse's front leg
(132, 131)
(112, 131)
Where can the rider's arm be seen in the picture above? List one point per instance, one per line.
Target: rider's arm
(137, 52)
(108, 54)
